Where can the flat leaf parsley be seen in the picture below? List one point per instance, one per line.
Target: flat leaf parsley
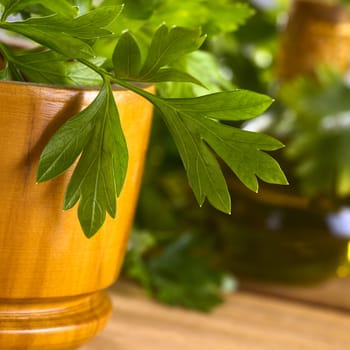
(200, 126)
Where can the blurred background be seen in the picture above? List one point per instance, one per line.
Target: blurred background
(297, 52)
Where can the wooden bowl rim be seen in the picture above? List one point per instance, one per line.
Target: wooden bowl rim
(32, 85)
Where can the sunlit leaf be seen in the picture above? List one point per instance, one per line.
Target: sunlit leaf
(67, 36)
(194, 125)
(96, 134)
(63, 7)
(168, 45)
(126, 57)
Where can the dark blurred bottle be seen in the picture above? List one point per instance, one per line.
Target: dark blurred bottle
(281, 234)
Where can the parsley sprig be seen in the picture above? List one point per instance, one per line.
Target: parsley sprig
(199, 125)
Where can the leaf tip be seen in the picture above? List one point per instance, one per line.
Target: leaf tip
(89, 234)
(285, 182)
(39, 178)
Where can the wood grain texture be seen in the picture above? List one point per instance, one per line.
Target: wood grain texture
(247, 321)
(43, 252)
(332, 293)
(60, 323)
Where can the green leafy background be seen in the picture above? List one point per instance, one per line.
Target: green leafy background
(312, 118)
(178, 256)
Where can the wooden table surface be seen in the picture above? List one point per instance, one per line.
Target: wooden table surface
(257, 317)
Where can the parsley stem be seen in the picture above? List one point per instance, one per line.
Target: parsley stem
(134, 88)
(102, 72)
(108, 77)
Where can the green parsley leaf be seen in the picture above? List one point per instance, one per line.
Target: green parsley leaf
(237, 147)
(63, 7)
(229, 105)
(203, 66)
(129, 69)
(81, 75)
(100, 173)
(72, 33)
(126, 57)
(49, 67)
(169, 45)
(195, 127)
(203, 171)
(96, 134)
(69, 141)
(67, 45)
(88, 26)
(43, 67)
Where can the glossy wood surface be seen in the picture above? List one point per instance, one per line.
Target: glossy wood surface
(246, 321)
(46, 263)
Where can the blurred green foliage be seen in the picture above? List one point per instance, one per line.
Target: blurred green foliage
(319, 132)
(173, 258)
(312, 116)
